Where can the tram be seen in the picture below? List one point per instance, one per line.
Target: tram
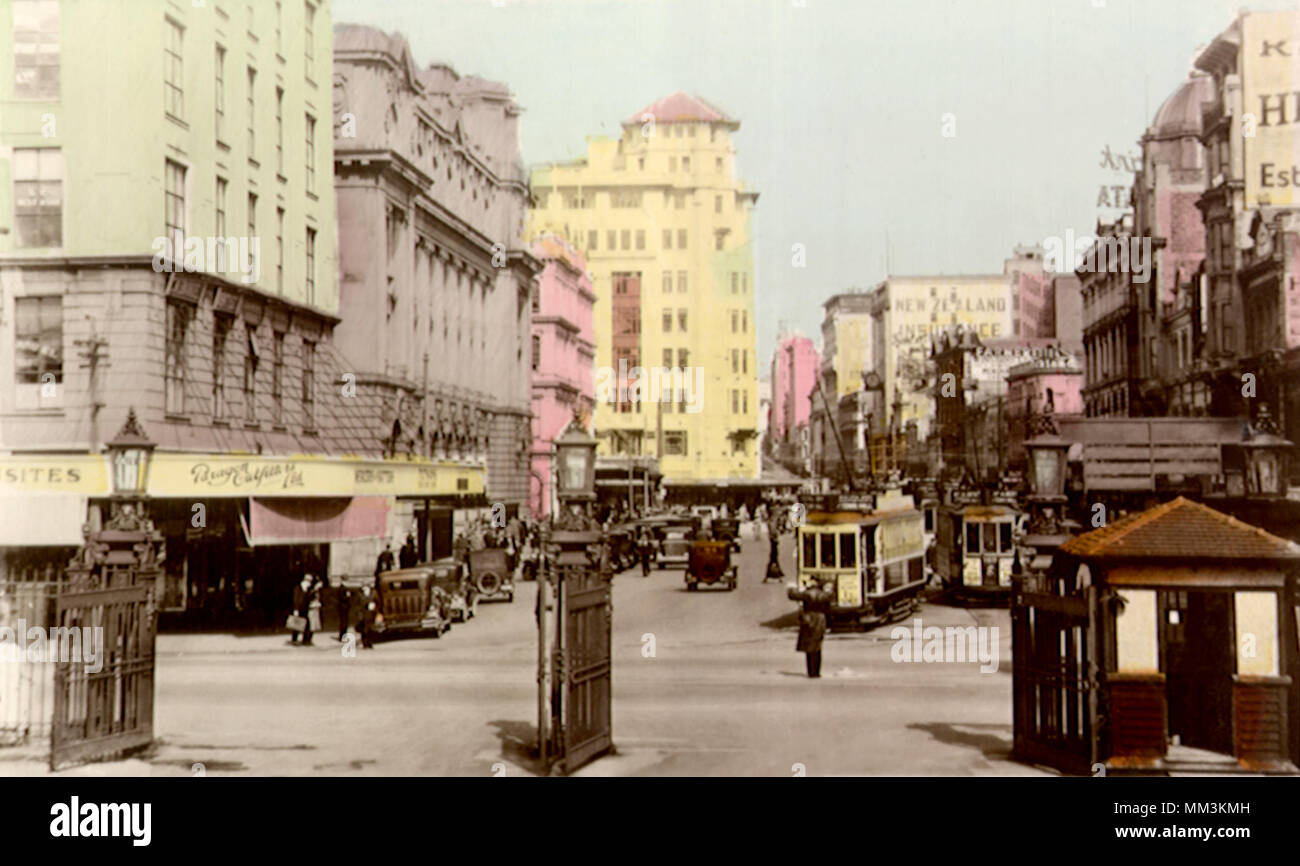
(871, 551)
(975, 549)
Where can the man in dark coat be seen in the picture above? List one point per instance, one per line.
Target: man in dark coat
(774, 551)
(815, 601)
(407, 556)
(385, 561)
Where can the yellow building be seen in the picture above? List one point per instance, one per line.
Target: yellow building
(665, 228)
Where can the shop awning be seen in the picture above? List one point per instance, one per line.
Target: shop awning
(316, 521)
(42, 520)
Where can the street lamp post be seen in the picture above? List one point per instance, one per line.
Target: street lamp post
(129, 453)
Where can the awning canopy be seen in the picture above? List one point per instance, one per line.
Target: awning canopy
(42, 520)
(316, 521)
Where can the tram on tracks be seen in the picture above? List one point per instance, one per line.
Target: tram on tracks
(975, 549)
(870, 550)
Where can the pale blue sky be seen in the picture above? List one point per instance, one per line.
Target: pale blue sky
(841, 104)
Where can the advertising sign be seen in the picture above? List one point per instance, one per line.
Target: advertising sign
(1270, 88)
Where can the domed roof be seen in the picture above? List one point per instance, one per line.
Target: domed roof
(1180, 114)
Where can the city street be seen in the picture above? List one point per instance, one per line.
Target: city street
(724, 693)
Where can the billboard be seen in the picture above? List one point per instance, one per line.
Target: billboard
(1270, 52)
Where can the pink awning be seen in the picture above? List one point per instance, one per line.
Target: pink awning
(316, 521)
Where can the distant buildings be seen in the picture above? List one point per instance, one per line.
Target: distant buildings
(664, 225)
(563, 356)
(437, 285)
(793, 379)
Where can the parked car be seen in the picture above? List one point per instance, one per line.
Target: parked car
(462, 596)
(674, 547)
(489, 573)
(411, 601)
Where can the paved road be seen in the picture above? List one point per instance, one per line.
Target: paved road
(723, 693)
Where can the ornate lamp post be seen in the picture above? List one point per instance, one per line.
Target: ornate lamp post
(128, 455)
(1266, 457)
(1048, 453)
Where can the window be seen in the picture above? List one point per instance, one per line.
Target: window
(38, 196)
(179, 316)
(848, 550)
(38, 340)
(592, 237)
(252, 113)
(735, 402)
(681, 320)
(668, 358)
(220, 331)
(744, 321)
(221, 209)
(717, 204)
(683, 358)
(735, 282)
(309, 43)
(627, 239)
(675, 443)
(972, 538)
(686, 163)
(718, 239)
(279, 26)
(537, 351)
(681, 282)
(252, 233)
(311, 154)
(36, 49)
(744, 361)
(250, 378)
(310, 281)
(1004, 536)
(990, 539)
(174, 201)
(668, 282)
(279, 130)
(611, 240)
(221, 93)
(279, 250)
(668, 239)
(827, 546)
(717, 164)
(681, 239)
(735, 322)
(174, 71)
(308, 385)
(668, 321)
(277, 377)
(735, 360)
(809, 557)
(640, 239)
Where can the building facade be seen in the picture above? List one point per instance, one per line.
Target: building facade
(665, 226)
(563, 357)
(167, 243)
(1110, 326)
(436, 283)
(793, 380)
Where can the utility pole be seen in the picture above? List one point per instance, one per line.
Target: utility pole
(92, 354)
(427, 445)
(836, 430)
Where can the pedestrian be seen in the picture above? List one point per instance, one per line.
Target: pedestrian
(301, 601)
(815, 601)
(385, 560)
(407, 556)
(367, 611)
(773, 550)
(344, 599)
(644, 546)
(313, 609)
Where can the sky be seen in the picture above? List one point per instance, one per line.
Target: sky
(843, 106)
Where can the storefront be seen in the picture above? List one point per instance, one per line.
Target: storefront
(240, 530)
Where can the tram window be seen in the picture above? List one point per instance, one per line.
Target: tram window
(990, 539)
(915, 570)
(847, 559)
(809, 550)
(972, 538)
(929, 520)
(828, 552)
(894, 575)
(1004, 536)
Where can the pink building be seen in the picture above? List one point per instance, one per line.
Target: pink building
(794, 375)
(564, 355)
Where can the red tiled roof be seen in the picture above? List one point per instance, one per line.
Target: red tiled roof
(1181, 529)
(683, 108)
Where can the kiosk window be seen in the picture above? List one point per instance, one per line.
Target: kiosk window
(847, 559)
(929, 520)
(809, 550)
(990, 538)
(1004, 536)
(972, 538)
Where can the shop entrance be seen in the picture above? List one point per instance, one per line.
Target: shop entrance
(1198, 673)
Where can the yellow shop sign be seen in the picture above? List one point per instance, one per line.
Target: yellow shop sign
(233, 475)
(39, 473)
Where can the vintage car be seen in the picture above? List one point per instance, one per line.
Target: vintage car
(727, 529)
(674, 538)
(449, 576)
(622, 546)
(710, 563)
(411, 601)
(489, 573)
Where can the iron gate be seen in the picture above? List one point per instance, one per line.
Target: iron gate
(104, 694)
(1054, 667)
